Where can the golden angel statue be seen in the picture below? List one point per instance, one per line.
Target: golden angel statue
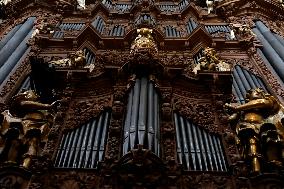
(259, 128)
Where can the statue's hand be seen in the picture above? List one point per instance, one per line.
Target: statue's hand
(55, 104)
(230, 108)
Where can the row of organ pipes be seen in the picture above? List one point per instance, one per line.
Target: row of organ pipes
(84, 146)
(197, 149)
(141, 126)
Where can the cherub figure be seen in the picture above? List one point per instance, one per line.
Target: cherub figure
(73, 60)
(36, 119)
(211, 62)
(258, 128)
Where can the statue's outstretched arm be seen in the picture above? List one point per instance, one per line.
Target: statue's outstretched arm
(32, 105)
(259, 103)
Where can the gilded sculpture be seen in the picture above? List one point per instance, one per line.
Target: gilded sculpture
(73, 60)
(259, 128)
(144, 42)
(243, 31)
(25, 126)
(210, 61)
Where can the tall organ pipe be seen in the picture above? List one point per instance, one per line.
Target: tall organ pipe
(150, 115)
(127, 123)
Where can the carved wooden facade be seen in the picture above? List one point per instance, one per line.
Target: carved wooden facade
(105, 31)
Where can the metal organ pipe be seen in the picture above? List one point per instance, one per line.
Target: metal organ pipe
(179, 152)
(191, 145)
(14, 58)
(90, 142)
(184, 142)
(270, 53)
(104, 135)
(6, 39)
(18, 38)
(157, 124)
(150, 115)
(142, 111)
(244, 80)
(134, 116)
(127, 123)
(72, 148)
(277, 46)
(78, 146)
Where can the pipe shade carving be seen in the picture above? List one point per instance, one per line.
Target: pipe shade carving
(84, 147)
(141, 126)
